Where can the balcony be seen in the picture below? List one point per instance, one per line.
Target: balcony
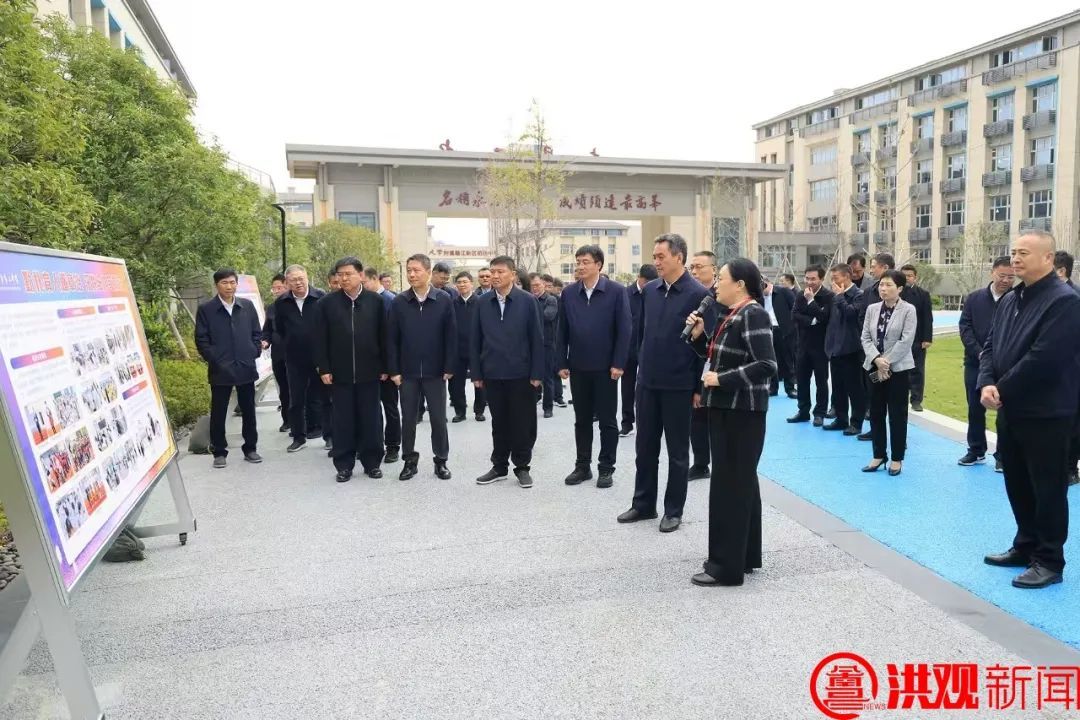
(953, 185)
(885, 196)
(951, 139)
(1020, 68)
(997, 178)
(819, 128)
(948, 232)
(918, 235)
(858, 159)
(937, 93)
(1043, 223)
(886, 153)
(887, 108)
(860, 198)
(860, 239)
(996, 129)
(883, 238)
(921, 190)
(1036, 172)
(922, 145)
(1041, 119)
(999, 229)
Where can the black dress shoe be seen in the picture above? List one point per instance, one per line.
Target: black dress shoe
(457, 419)
(866, 436)
(284, 427)
(706, 580)
(408, 472)
(894, 471)
(219, 462)
(524, 478)
(669, 524)
(253, 457)
(633, 515)
(392, 456)
(836, 425)
(1010, 558)
(578, 476)
(873, 466)
(830, 414)
(480, 417)
(441, 471)
(296, 446)
(698, 473)
(799, 418)
(374, 473)
(916, 406)
(344, 475)
(851, 431)
(606, 480)
(1036, 577)
(793, 396)
(818, 422)
(548, 414)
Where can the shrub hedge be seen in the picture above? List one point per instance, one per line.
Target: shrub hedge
(187, 394)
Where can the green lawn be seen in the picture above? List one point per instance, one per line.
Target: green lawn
(945, 380)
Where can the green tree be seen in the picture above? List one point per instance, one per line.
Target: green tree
(330, 241)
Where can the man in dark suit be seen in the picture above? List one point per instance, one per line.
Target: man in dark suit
(556, 379)
(549, 319)
(924, 335)
(779, 302)
(228, 336)
(703, 268)
(811, 316)
(440, 278)
(843, 346)
(388, 390)
(465, 305)
(628, 383)
(349, 346)
(274, 341)
(1063, 266)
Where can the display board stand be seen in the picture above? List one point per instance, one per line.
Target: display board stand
(185, 519)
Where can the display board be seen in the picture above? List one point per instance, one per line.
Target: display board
(247, 287)
(81, 399)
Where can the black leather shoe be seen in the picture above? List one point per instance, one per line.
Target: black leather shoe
(836, 425)
(457, 419)
(374, 473)
(798, 418)
(669, 524)
(917, 406)
(253, 457)
(866, 436)
(284, 427)
(578, 476)
(818, 422)
(894, 471)
(830, 414)
(633, 515)
(344, 475)
(491, 476)
(793, 395)
(606, 480)
(873, 466)
(548, 414)
(480, 417)
(704, 579)
(296, 446)
(408, 472)
(441, 471)
(698, 473)
(219, 462)
(851, 431)
(392, 456)
(1010, 558)
(524, 478)
(1036, 577)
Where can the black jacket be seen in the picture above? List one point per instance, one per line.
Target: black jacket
(463, 319)
(510, 346)
(349, 338)
(924, 312)
(804, 315)
(294, 328)
(270, 335)
(228, 343)
(1033, 352)
(976, 319)
(665, 361)
(844, 333)
(783, 304)
(549, 317)
(421, 338)
(637, 317)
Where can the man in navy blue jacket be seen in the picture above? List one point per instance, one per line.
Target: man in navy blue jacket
(465, 305)
(703, 269)
(507, 362)
(811, 316)
(668, 373)
(976, 319)
(628, 384)
(843, 345)
(591, 349)
(229, 337)
(1029, 372)
(388, 391)
(549, 317)
(421, 350)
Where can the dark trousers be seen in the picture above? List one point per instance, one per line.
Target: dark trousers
(457, 390)
(513, 422)
(281, 377)
(1033, 454)
(546, 391)
(627, 386)
(662, 413)
(309, 403)
(783, 347)
(595, 393)
(889, 398)
(699, 437)
(1074, 447)
(737, 438)
(918, 374)
(434, 390)
(388, 394)
(219, 409)
(812, 362)
(848, 389)
(976, 431)
(558, 386)
(357, 425)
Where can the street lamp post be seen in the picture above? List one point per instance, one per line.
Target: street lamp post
(284, 262)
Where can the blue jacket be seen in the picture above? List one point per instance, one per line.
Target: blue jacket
(594, 333)
(1033, 352)
(507, 346)
(976, 319)
(229, 343)
(463, 314)
(421, 338)
(666, 362)
(843, 334)
(388, 298)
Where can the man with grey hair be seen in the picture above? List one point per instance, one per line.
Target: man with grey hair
(1029, 371)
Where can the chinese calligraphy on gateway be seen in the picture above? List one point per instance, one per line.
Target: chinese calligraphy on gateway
(624, 202)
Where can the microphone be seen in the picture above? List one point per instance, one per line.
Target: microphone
(705, 303)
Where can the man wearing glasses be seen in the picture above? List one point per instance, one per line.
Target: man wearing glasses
(703, 268)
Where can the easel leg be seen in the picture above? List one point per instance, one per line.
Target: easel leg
(185, 519)
(71, 671)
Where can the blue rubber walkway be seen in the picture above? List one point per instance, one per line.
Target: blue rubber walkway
(941, 515)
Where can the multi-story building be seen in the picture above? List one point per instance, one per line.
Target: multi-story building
(939, 164)
(127, 23)
(620, 242)
(299, 208)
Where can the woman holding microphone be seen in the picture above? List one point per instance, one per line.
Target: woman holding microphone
(739, 364)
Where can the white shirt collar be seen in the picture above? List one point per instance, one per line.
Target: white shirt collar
(424, 296)
(353, 297)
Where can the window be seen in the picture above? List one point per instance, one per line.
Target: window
(822, 154)
(887, 221)
(862, 142)
(566, 249)
(879, 98)
(954, 213)
(957, 118)
(888, 179)
(925, 127)
(889, 135)
(922, 216)
(763, 158)
(817, 116)
(953, 74)
(825, 223)
(299, 207)
(611, 249)
(1041, 204)
(594, 231)
(773, 158)
(1000, 208)
(1042, 151)
(862, 182)
(611, 269)
(567, 268)
(777, 255)
(617, 231)
(1000, 158)
(359, 219)
(635, 268)
(956, 166)
(1044, 97)
(945, 76)
(1001, 108)
(635, 250)
(862, 222)
(1023, 52)
(921, 255)
(952, 255)
(924, 171)
(823, 189)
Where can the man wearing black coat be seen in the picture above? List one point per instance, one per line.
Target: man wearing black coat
(924, 333)
(779, 302)
(1029, 372)
(811, 316)
(388, 391)
(843, 346)
(976, 320)
(274, 341)
(628, 383)
(465, 305)
(229, 337)
(1063, 266)
(549, 319)
(349, 346)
